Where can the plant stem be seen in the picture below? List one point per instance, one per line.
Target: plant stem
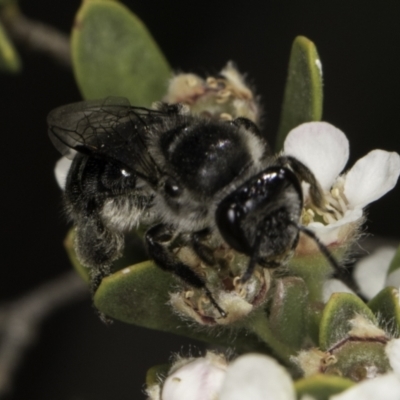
(259, 326)
(20, 320)
(36, 36)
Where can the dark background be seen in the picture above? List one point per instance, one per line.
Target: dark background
(77, 357)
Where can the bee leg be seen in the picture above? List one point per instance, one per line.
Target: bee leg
(157, 240)
(97, 248)
(203, 251)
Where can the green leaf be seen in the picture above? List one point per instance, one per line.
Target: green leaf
(9, 58)
(139, 295)
(314, 269)
(113, 54)
(303, 96)
(134, 252)
(288, 312)
(321, 387)
(82, 271)
(356, 360)
(315, 310)
(129, 294)
(4, 3)
(335, 321)
(385, 305)
(395, 263)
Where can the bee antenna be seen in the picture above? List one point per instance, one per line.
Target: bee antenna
(223, 313)
(322, 248)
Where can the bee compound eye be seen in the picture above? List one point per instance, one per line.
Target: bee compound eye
(172, 188)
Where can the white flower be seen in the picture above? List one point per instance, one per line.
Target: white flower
(371, 273)
(393, 352)
(195, 379)
(324, 149)
(334, 286)
(61, 171)
(384, 387)
(252, 376)
(259, 377)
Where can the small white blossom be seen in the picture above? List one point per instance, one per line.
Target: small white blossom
(257, 377)
(252, 376)
(384, 387)
(392, 350)
(334, 286)
(370, 273)
(197, 379)
(324, 149)
(61, 171)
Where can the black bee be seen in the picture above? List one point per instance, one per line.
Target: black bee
(184, 176)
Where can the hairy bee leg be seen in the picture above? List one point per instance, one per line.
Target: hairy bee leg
(316, 192)
(97, 248)
(96, 276)
(157, 239)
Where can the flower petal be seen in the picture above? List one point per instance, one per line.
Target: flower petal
(370, 272)
(334, 286)
(371, 177)
(392, 350)
(385, 387)
(257, 377)
(61, 171)
(321, 147)
(393, 279)
(198, 379)
(337, 231)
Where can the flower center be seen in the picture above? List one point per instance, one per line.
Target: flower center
(336, 204)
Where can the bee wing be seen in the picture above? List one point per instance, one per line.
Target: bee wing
(110, 128)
